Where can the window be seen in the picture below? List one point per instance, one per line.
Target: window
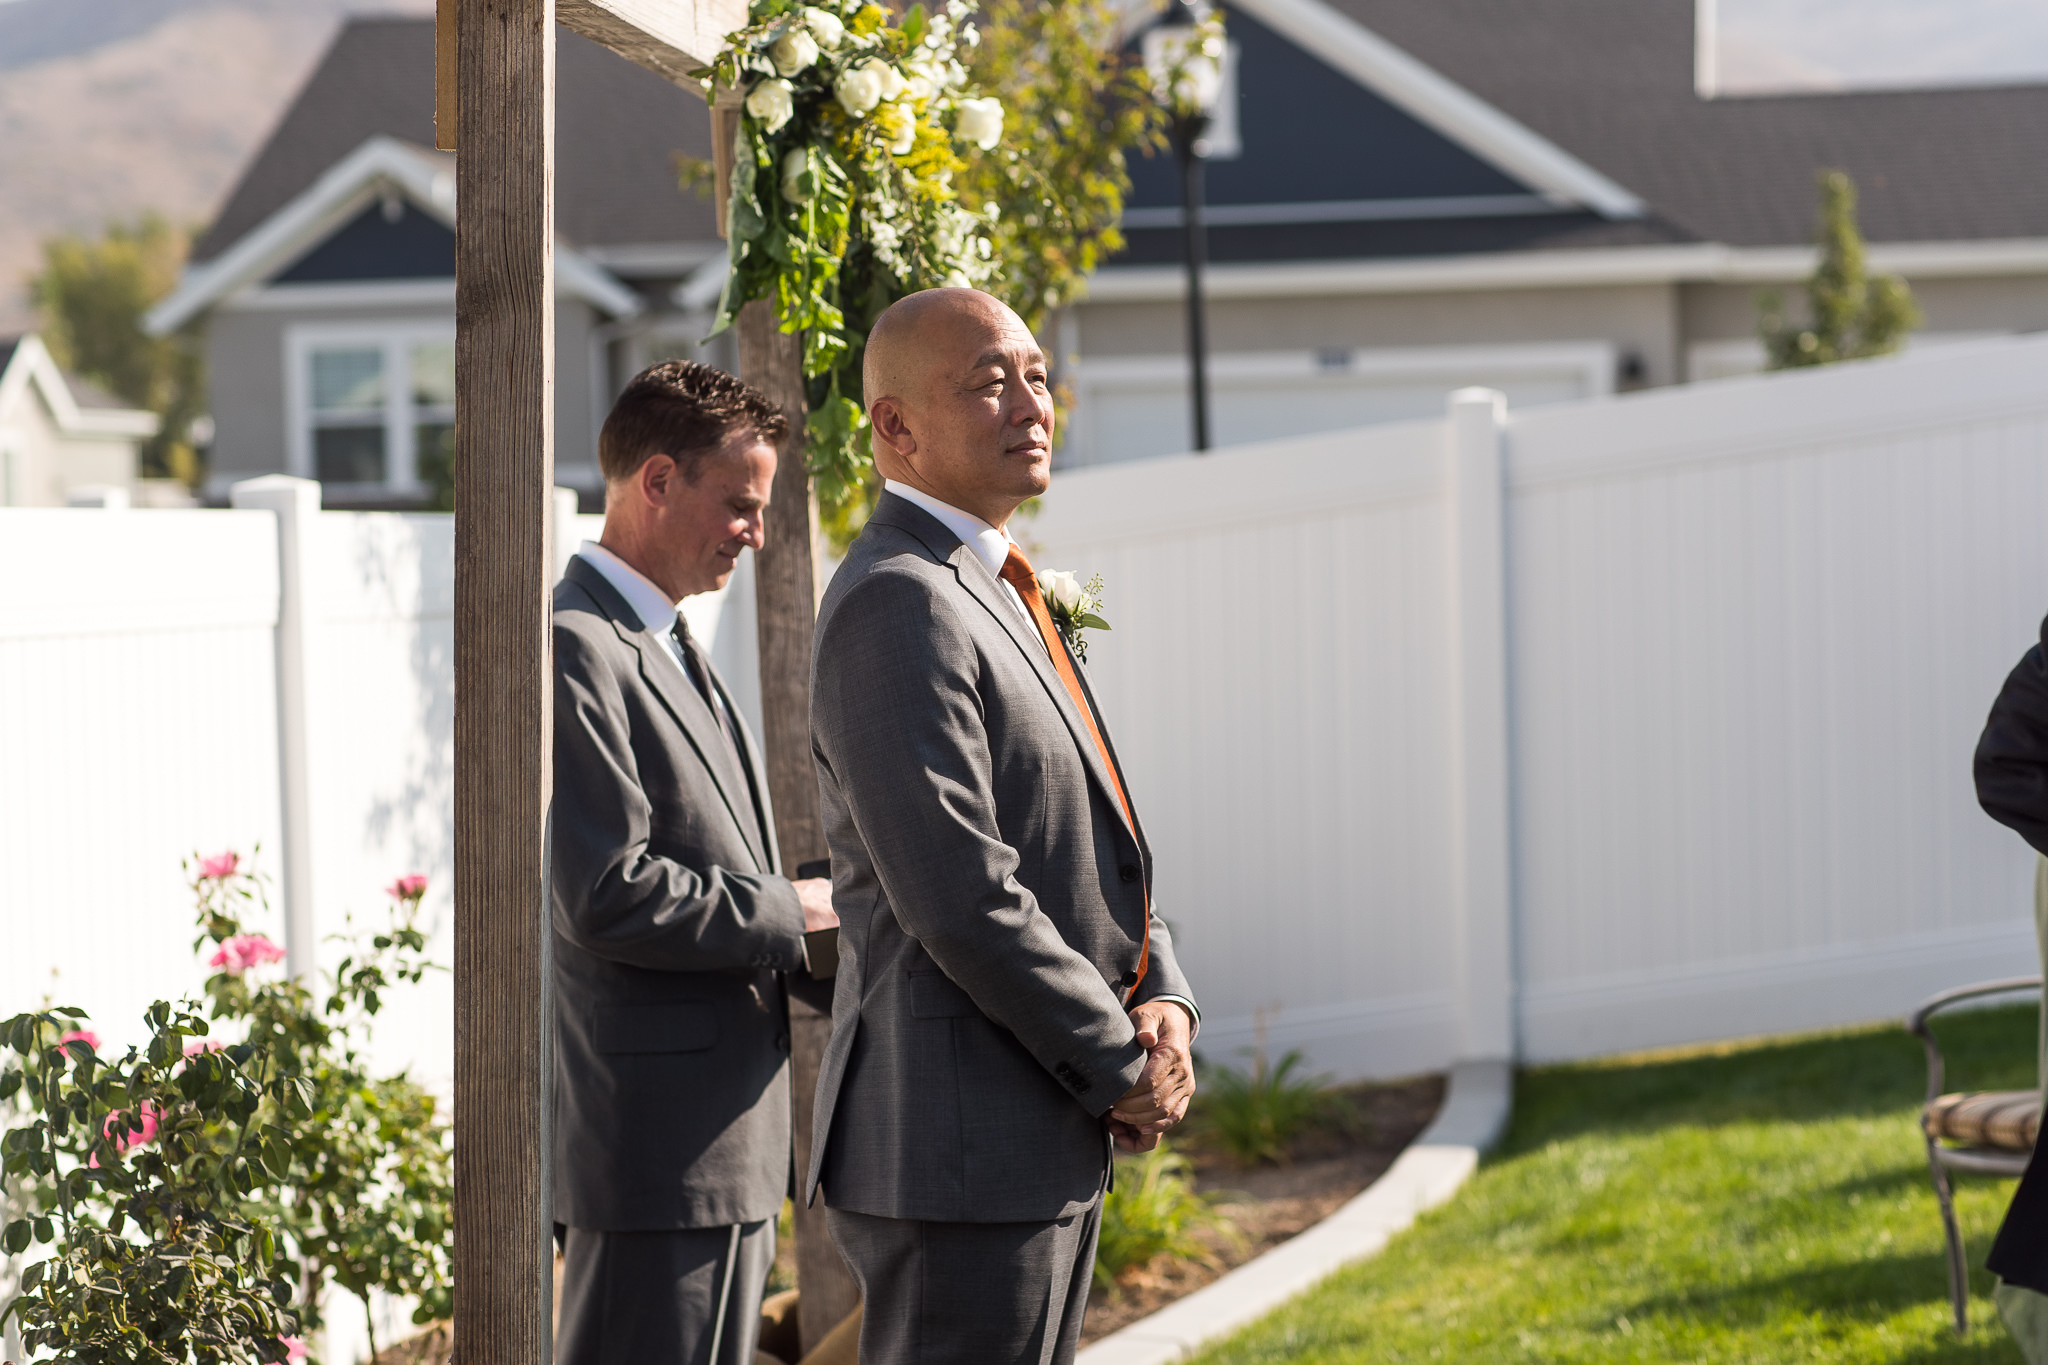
(372, 409)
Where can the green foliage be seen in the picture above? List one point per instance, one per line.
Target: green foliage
(1757, 1202)
(91, 295)
(882, 204)
(842, 189)
(1256, 1113)
(1153, 1211)
(1849, 314)
(148, 1163)
(1076, 105)
(194, 1189)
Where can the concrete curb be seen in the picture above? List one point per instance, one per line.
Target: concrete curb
(1475, 1111)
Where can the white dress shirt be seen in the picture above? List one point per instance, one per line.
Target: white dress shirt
(992, 547)
(656, 612)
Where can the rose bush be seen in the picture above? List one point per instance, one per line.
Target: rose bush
(199, 1194)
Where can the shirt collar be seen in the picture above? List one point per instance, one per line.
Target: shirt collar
(990, 546)
(648, 602)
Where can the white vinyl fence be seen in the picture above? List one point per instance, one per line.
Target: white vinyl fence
(1600, 727)
(1603, 726)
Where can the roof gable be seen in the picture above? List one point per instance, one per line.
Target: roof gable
(78, 409)
(307, 226)
(618, 130)
(1311, 134)
(387, 240)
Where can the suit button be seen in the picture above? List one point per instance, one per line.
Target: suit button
(1128, 872)
(782, 1042)
(1128, 979)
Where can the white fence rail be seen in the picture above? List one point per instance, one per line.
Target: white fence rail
(1603, 726)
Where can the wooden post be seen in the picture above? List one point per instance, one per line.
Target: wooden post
(504, 495)
(786, 601)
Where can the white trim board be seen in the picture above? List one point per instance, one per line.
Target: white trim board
(1783, 993)
(1694, 263)
(382, 166)
(1354, 210)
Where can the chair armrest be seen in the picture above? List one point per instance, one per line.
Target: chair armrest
(1919, 1020)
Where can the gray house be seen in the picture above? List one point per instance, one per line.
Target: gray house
(327, 282)
(1407, 196)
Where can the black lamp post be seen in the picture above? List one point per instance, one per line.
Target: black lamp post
(1188, 81)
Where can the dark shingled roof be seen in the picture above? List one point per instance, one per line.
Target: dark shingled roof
(1611, 81)
(618, 128)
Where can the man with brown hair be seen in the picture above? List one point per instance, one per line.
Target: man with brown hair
(676, 935)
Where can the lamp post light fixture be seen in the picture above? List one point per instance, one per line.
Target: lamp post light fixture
(1183, 54)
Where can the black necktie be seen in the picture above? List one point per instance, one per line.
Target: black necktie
(699, 672)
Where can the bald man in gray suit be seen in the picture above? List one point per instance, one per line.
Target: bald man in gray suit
(1009, 1002)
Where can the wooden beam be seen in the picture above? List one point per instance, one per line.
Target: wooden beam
(504, 481)
(669, 37)
(785, 604)
(444, 75)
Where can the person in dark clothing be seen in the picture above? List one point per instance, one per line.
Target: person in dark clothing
(2011, 770)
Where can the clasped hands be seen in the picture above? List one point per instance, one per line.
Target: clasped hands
(1160, 1097)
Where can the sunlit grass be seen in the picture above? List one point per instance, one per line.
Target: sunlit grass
(1767, 1202)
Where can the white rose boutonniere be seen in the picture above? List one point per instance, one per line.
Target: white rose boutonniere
(793, 51)
(1074, 606)
(772, 101)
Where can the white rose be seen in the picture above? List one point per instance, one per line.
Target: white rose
(981, 121)
(825, 27)
(793, 51)
(1061, 588)
(772, 102)
(893, 83)
(793, 167)
(860, 88)
(901, 130)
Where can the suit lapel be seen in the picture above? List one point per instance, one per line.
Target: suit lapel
(750, 754)
(659, 667)
(665, 677)
(983, 587)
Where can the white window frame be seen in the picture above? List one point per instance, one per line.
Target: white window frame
(396, 340)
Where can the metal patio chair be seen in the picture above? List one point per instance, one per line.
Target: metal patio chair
(1993, 1131)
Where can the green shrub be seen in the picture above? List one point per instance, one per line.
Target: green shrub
(198, 1195)
(1255, 1114)
(1153, 1210)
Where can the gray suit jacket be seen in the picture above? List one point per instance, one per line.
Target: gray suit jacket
(671, 928)
(992, 898)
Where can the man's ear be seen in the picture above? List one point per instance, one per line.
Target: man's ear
(886, 420)
(654, 478)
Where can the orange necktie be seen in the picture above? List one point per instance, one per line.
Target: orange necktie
(1017, 572)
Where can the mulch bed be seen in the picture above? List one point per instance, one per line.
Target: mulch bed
(1269, 1204)
(1264, 1206)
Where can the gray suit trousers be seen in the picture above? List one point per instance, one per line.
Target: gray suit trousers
(651, 1298)
(969, 1293)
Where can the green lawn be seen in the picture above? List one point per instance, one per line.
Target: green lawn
(1767, 1202)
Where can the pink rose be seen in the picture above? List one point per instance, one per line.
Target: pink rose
(219, 866)
(294, 1348)
(123, 1132)
(81, 1035)
(199, 1045)
(411, 886)
(244, 951)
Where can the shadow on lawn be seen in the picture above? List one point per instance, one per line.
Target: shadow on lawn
(1871, 1289)
(1867, 1073)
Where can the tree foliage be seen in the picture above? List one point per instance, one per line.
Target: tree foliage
(1849, 314)
(199, 1195)
(91, 295)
